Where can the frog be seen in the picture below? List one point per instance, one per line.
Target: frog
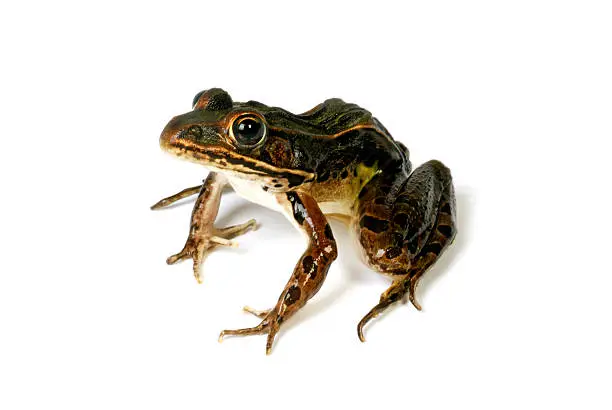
(335, 160)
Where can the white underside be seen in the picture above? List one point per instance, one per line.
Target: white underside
(254, 192)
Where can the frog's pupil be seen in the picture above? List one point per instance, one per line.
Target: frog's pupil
(248, 128)
(248, 131)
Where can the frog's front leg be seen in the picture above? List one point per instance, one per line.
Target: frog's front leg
(203, 236)
(308, 274)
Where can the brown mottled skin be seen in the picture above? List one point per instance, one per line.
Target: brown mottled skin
(335, 159)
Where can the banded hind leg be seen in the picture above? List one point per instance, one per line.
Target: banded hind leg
(406, 223)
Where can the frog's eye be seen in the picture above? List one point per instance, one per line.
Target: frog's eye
(248, 130)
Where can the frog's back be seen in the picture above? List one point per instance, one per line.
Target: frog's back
(344, 146)
(340, 143)
(331, 117)
(335, 116)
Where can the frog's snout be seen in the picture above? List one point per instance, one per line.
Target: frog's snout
(170, 134)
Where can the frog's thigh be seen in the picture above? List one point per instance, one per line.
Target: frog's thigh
(404, 226)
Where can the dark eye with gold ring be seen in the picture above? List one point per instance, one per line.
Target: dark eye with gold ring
(248, 130)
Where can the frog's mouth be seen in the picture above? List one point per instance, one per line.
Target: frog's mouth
(221, 157)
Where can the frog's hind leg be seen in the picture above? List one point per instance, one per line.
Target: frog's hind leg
(404, 230)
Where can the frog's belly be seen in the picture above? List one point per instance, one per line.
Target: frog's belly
(254, 192)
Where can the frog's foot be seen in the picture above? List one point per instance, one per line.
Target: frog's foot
(270, 325)
(198, 247)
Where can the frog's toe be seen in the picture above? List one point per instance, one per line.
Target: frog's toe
(195, 251)
(192, 249)
(219, 240)
(184, 254)
(257, 330)
(270, 340)
(197, 263)
(412, 295)
(176, 197)
(236, 230)
(259, 313)
(362, 323)
(385, 301)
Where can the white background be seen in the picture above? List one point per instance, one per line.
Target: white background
(514, 97)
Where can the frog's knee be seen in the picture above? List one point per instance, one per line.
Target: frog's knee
(438, 169)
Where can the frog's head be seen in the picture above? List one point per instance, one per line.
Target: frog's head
(229, 137)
